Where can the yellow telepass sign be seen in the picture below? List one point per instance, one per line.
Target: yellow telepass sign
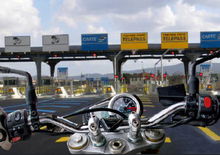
(174, 40)
(134, 41)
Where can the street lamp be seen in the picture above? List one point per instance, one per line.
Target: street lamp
(155, 67)
(161, 59)
(115, 69)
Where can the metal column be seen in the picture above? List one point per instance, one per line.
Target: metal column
(38, 67)
(186, 62)
(52, 65)
(117, 63)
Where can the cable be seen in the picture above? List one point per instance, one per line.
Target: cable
(171, 125)
(95, 110)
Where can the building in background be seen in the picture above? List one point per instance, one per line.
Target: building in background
(62, 73)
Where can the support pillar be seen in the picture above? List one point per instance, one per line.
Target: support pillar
(117, 64)
(38, 67)
(189, 57)
(118, 67)
(186, 68)
(38, 61)
(52, 65)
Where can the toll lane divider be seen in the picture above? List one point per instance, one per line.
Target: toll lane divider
(65, 139)
(39, 110)
(13, 106)
(70, 105)
(67, 103)
(53, 106)
(20, 105)
(45, 101)
(211, 134)
(71, 101)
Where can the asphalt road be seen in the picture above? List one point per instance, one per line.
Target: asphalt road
(180, 140)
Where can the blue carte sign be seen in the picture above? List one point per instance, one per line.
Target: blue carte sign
(205, 66)
(105, 80)
(94, 42)
(209, 39)
(62, 69)
(90, 79)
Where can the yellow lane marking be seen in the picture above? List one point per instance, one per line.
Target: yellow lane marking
(145, 99)
(149, 106)
(168, 140)
(147, 102)
(62, 139)
(210, 133)
(43, 128)
(143, 116)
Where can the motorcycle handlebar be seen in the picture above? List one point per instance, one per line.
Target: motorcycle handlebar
(195, 112)
(154, 120)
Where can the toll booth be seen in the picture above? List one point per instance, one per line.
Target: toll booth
(47, 87)
(65, 87)
(10, 81)
(10, 88)
(109, 89)
(47, 81)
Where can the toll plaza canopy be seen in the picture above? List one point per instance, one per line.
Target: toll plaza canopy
(56, 48)
(96, 47)
(75, 53)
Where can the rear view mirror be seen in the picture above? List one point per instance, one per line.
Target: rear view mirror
(171, 94)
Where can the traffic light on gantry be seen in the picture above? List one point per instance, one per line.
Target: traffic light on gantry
(200, 74)
(164, 75)
(152, 75)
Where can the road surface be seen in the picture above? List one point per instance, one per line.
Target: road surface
(182, 140)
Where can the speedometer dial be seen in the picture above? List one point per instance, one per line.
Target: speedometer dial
(126, 103)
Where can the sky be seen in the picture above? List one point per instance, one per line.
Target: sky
(75, 17)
